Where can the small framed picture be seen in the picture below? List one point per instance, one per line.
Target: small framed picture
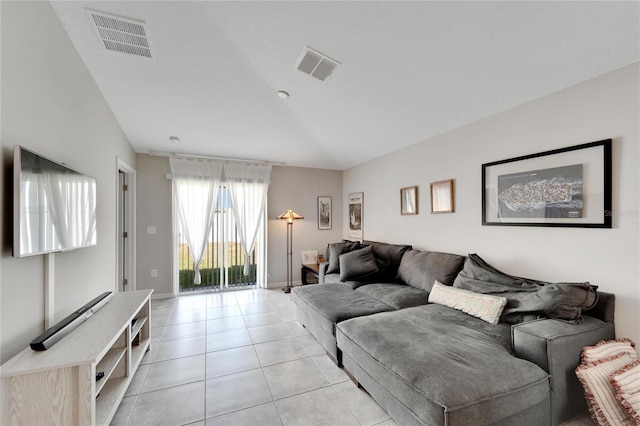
(324, 213)
(442, 196)
(409, 200)
(356, 214)
(310, 257)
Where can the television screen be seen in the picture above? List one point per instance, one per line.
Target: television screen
(54, 206)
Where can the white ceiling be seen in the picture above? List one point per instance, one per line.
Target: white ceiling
(410, 70)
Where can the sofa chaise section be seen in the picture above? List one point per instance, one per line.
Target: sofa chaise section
(432, 365)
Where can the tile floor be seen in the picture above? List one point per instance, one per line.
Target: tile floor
(240, 358)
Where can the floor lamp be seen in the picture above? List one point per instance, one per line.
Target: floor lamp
(289, 216)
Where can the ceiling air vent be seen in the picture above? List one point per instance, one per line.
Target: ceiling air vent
(121, 34)
(316, 64)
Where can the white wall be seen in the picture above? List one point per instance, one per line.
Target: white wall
(291, 188)
(50, 104)
(602, 108)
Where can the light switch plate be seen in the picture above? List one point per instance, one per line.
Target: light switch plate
(151, 230)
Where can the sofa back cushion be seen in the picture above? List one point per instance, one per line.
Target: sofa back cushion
(390, 255)
(420, 269)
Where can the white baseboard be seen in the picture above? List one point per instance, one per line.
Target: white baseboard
(162, 296)
(283, 284)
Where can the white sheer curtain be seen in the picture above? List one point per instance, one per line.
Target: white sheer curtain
(248, 184)
(196, 184)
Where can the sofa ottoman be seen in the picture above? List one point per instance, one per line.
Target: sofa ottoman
(433, 365)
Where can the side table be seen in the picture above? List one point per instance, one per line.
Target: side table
(309, 270)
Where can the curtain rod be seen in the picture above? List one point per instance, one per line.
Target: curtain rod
(237, 160)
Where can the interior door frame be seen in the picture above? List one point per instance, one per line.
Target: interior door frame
(130, 219)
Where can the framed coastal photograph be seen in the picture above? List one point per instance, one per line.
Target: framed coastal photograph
(566, 187)
(441, 196)
(409, 200)
(355, 203)
(310, 257)
(324, 213)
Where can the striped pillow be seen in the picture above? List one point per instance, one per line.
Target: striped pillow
(487, 308)
(626, 383)
(609, 348)
(601, 399)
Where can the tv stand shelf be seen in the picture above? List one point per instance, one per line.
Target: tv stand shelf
(60, 386)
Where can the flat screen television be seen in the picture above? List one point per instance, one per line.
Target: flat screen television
(54, 207)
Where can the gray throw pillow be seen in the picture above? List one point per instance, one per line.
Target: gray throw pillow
(391, 255)
(335, 250)
(357, 264)
(420, 269)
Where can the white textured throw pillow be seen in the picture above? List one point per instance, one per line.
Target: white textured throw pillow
(487, 308)
(601, 398)
(607, 349)
(626, 383)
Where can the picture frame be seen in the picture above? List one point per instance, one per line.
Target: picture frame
(409, 200)
(325, 216)
(566, 187)
(441, 193)
(310, 257)
(355, 206)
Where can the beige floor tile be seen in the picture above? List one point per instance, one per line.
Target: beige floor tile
(233, 360)
(180, 348)
(124, 411)
(320, 407)
(361, 404)
(137, 381)
(174, 372)
(257, 320)
(179, 317)
(224, 312)
(270, 332)
(311, 345)
(176, 405)
(235, 392)
(227, 340)
(331, 371)
(296, 328)
(225, 324)
(263, 415)
(180, 331)
(294, 377)
(279, 351)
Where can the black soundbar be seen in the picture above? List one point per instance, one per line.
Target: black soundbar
(67, 325)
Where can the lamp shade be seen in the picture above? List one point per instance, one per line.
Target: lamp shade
(290, 216)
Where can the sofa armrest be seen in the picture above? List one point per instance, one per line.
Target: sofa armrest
(555, 346)
(322, 271)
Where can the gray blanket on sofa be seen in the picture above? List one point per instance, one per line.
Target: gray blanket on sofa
(527, 299)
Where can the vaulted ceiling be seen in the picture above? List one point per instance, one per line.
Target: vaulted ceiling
(409, 70)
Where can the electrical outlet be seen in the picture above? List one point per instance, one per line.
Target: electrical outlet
(154, 273)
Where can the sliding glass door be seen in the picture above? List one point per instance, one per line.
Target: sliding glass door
(223, 262)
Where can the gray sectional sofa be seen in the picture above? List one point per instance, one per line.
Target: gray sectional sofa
(430, 364)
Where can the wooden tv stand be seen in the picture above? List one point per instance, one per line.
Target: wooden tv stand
(59, 385)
